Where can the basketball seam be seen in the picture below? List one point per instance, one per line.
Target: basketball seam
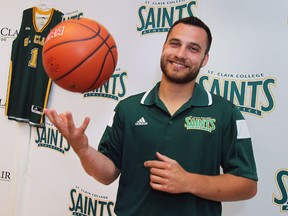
(84, 39)
(96, 80)
(71, 41)
(70, 71)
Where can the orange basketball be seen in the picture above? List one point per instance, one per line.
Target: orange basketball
(79, 55)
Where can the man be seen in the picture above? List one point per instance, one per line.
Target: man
(169, 143)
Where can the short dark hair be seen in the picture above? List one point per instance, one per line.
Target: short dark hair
(194, 21)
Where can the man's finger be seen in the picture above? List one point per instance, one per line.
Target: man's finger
(63, 117)
(164, 158)
(156, 164)
(70, 122)
(85, 124)
(52, 116)
(158, 179)
(48, 114)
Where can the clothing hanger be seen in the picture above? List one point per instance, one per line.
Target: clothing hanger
(43, 6)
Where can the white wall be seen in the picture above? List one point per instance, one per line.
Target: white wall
(249, 49)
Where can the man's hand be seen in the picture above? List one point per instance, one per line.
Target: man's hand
(64, 122)
(95, 163)
(166, 175)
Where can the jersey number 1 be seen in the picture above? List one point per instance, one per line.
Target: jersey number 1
(33, 60)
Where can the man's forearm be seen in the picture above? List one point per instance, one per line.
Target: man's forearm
(98, 165)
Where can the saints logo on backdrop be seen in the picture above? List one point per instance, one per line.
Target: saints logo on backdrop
(159, 15)
(114, 88)
(252, 93)
(8, 33)
(72, 15)
(2, 103)
(5, 176)
(281, 179)
(49, 137)
(86, 203)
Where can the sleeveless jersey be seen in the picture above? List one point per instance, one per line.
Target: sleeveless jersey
(28, 84)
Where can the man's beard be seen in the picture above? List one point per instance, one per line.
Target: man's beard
(192, 75)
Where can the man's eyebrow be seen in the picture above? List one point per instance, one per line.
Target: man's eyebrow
(191, 43)
(174, 39)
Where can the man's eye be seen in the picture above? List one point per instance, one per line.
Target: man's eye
(174, 44)
(194, 49)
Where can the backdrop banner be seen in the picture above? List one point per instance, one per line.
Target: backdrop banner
(39, 172)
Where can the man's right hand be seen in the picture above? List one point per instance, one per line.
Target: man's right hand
(94, 163)
(64, 122)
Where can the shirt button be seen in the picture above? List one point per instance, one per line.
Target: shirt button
(170, 122)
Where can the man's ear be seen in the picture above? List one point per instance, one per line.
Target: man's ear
(205, 60)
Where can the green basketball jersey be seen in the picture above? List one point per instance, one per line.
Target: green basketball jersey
(206, 134)
(28, 84)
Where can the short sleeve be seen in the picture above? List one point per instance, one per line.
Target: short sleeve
(112, 139)
(238, 156)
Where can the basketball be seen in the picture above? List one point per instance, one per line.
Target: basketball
(79, 55)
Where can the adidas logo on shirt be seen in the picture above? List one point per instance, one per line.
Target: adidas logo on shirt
(141, 121)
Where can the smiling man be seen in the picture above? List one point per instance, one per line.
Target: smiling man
(180, 150)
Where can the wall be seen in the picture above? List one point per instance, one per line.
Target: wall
(248, 58)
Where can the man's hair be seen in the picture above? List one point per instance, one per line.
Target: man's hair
(194, 21)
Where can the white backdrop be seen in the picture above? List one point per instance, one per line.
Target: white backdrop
(41, 175)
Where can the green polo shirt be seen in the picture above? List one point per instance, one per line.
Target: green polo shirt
(206, 133)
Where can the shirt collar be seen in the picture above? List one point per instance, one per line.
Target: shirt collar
(200, 96)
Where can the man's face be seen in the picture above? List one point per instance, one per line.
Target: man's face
(183, 53)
